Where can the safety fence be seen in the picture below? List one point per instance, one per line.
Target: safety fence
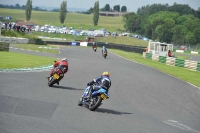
(14, 40)
(191, 65)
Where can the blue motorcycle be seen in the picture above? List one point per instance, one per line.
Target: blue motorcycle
(95, 100)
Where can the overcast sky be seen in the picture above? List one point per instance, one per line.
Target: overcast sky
(132, 5)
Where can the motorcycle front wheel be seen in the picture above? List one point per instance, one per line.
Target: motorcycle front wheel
(80, 102)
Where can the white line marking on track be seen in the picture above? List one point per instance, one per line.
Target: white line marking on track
(181, 126)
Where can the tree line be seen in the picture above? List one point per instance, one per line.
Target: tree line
(107, 8)
(178, 24)
(23, 7)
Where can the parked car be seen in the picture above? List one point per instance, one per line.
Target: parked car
(98, 35)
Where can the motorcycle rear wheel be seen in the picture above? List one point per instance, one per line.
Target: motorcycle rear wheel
(51, 82)
(95, 103)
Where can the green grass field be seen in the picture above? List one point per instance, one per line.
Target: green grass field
(18, 60)
(72, 19)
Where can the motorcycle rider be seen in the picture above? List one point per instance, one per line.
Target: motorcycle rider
(62, 64)
(101, 82)
(103, 49)
(94, 44)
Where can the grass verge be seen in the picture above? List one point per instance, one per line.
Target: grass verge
(181, 73)
(18, 60)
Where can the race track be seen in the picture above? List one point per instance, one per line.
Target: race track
(142, 99)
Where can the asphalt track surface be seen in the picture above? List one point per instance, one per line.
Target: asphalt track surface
(142, 99)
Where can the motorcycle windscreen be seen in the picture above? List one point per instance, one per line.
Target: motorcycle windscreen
(86, 91)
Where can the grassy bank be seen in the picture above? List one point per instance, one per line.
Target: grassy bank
(181, 73)
(18, 60)
(72, 19)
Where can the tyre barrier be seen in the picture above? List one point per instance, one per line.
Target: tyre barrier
(144, 54)
(180, 63)
(155, 57)
(162, 59)
(170, 61)
(148, 55)
(198, 66)
(191, 65)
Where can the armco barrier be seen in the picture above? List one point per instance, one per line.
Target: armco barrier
(15, 40)
(61, 43)
(127, 48)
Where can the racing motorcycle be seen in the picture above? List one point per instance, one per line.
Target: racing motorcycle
(104, 54)
(95, 100)
(95, 48)
(56, 76)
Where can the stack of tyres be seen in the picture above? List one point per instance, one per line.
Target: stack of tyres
(180, 63)
(162, 59)
(149, 56)
(198, 66)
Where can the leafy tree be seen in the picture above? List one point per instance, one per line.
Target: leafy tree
(107, 7)
(123, 9)
(63, 11)
(116, 8)
(96, 13)
(181, 9)
(28, 9)
(132, 22)
(90, 10)
(55, 10)
(159, 18)
(164, 31)
(23, 7)
(17, 6)
(190, 38)
(151, 9)
(197, 34)
(179, 32)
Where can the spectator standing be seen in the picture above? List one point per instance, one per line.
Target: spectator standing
(6, 24)
(10, 25)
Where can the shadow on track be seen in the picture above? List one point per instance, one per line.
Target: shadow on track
(109, 111)
(67, 88)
